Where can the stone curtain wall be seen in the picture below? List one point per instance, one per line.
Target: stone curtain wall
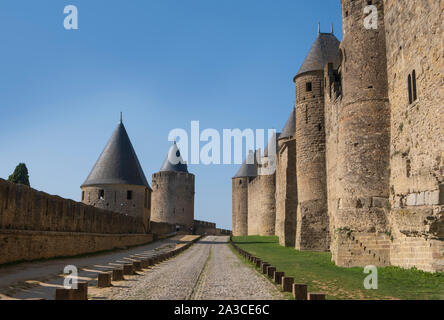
(414, 32)
(23, 208)
(162, 228)
(286, 193)
(204, 227)
(35, 225)
(23, 245)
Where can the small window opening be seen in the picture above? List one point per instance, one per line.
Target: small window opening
(129, 195)
(83, 195)
(309, 86)
(306, 114)
(408, 168)
(414, 85)
(101, 194)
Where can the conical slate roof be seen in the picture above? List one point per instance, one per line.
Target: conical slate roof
(276, 137)
(174, 161)
(325, 49)
(118, 163)
(289, 129)
(248, 169)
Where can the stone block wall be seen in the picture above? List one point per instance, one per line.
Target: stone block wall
(23, 208)
(415, 48)
(36, 225)
(162, 228)
(204, 227)
(262, 205)
(115, 198)
(25, 245)
(286, 193)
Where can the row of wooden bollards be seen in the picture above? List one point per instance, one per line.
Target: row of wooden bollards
(299, 291)
(105, 279)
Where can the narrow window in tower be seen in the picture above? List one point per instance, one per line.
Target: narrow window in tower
(129, 195)
(410, 89)
(146, 198)
(408, 168)
(306, 114)
(414, 85)
(309, 87)
(83, 195)
(101, 194)
(240, 182)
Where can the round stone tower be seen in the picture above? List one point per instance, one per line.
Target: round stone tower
(173, 193)
(240, 182)
(363, 121)
(117, 182)
(312, 214)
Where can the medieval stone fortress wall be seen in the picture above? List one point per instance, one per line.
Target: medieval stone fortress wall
(360, 161)
(118, 209)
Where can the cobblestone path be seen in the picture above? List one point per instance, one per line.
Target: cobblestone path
(209, 270)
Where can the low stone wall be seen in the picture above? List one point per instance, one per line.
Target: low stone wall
(22, 245)
(204, 227)
(162, 228)
(23, 208)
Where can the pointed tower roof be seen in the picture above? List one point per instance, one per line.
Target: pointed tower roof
(325, 49)
(118, 163)
(248, 169)
(174, 161)
(289, 129)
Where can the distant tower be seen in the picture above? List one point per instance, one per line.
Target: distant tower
(363, 152)
(312, 217)
(240, 181)
(117, 182)
(286, 184)
(173, 194)
(267, 195)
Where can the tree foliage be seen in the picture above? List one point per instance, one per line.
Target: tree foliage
(20, 175)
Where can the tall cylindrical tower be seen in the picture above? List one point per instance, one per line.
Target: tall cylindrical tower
(173, 193)
(312, 217)
(363, 121)
(240, 206)
(363, 142)
(240, 181)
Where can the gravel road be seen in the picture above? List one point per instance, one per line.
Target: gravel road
(209, 270)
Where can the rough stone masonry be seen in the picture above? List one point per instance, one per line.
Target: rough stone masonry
(365, 178)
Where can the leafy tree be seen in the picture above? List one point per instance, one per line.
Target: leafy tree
(20, 175)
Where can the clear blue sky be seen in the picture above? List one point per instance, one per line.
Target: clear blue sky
(227, 63)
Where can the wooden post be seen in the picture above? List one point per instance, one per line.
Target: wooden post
(300, 291)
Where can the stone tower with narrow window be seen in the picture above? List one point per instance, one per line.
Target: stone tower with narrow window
(117, 182)
(173, 193)
(312, 215)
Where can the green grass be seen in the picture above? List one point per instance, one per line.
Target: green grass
(321, 275)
